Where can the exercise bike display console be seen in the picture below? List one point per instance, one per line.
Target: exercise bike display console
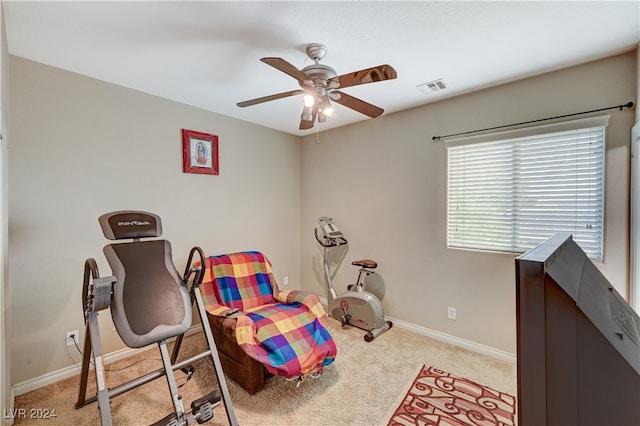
(356, 306)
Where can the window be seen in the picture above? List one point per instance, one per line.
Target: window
(510, 191)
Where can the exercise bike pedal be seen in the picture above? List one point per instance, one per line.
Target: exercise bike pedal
(345, 320)
(202, 408)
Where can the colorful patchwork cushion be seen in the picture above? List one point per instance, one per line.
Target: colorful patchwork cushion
(286, 332)
(242, 280)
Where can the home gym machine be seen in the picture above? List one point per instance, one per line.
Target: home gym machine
(356, 306)
(149, 303)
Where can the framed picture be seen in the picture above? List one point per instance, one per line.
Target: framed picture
(199, 153)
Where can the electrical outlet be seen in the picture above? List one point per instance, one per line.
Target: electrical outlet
(72, 338)
(451, 313)
(285, 280)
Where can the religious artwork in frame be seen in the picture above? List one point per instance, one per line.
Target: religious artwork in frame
(199, 153)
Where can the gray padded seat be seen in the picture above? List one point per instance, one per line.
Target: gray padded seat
(148, 305)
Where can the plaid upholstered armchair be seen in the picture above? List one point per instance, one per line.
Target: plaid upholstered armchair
(261, 331)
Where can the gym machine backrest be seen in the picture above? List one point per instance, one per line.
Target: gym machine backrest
(143, 269)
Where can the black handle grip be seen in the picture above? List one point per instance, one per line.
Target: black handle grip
(332, 242)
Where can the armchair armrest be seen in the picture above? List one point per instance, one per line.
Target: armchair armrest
(310, 300)
(237, 326)
(217, 309)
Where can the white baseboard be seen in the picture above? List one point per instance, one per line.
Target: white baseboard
(73, 370)
(55, 376)
(456, 341)
(447, 338)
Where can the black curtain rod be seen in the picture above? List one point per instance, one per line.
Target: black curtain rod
(627, 105)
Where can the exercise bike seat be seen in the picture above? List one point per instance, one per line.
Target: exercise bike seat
(365, 263)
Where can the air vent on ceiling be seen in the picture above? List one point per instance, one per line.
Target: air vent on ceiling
(432, 86)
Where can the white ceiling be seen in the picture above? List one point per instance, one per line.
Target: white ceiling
(206, 53)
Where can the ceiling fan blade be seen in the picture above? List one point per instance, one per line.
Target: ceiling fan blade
(356, 104)
(369, 75)
(306, 124)
(270, 98)
(287, 68)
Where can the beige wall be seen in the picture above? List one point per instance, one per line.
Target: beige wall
(5, 295)
(384, 183)
(81, 147)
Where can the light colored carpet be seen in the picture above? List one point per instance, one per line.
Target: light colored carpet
(357, 389)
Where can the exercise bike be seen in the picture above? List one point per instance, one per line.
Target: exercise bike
(356, 307)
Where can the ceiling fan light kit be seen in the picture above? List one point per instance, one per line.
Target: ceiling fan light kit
(307, 113)
(319, 83)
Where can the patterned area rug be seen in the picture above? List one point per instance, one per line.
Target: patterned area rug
(436, 397)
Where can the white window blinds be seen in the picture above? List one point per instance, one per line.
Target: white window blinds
(512, 190)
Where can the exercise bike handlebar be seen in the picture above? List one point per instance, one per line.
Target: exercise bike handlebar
(330, 242)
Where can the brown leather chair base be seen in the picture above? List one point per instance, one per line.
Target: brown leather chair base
(241, 368)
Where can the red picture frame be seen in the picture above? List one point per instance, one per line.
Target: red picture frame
(199, 153)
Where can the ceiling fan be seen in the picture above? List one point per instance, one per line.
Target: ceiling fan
(319, 85)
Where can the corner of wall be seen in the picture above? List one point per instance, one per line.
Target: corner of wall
(6, 391)
(637, 83)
